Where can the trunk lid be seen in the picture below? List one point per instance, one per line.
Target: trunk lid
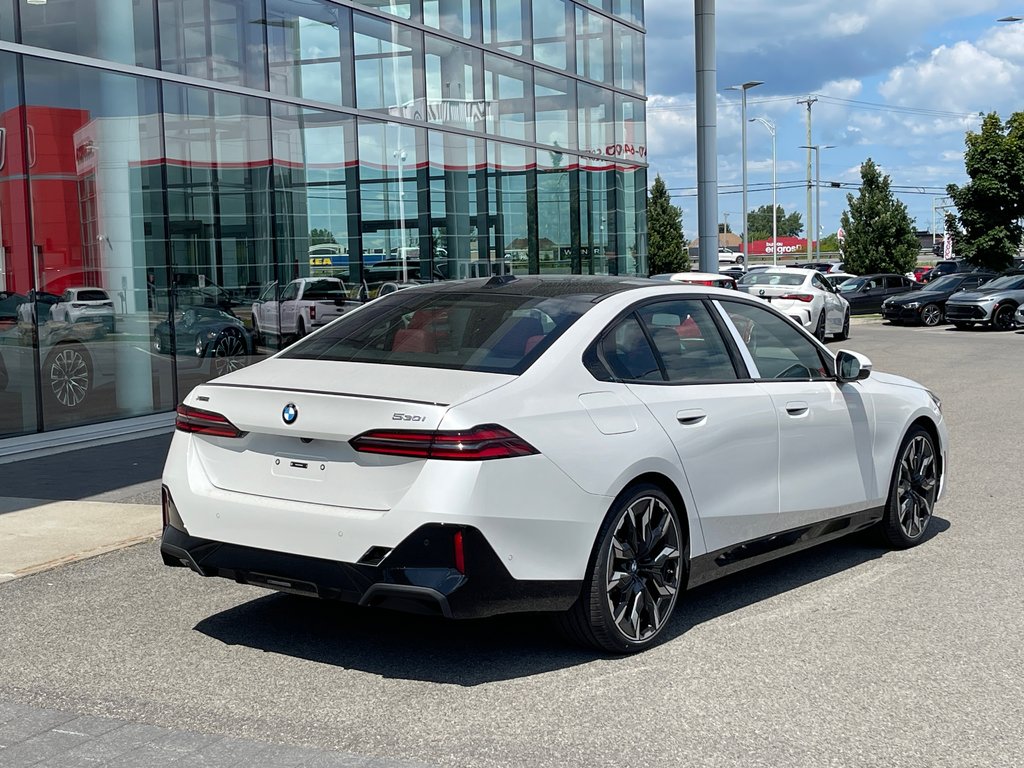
(310, 460)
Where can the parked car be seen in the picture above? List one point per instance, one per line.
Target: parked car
(395, 271)
(698, 278)
(805, 296)
(945, 267)
(9, 303)
(730, 258)
(994, 304)
(927, 305)
(867, 292)
(1019, 317)
(918, 274)
(387, 288)
(838, 278)
(206, 333)
(481, 448)
(304, 305)
(84, 305)
(820, 266)
(39, 309)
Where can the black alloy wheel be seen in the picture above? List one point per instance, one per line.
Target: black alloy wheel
(912, 492)
(229, 352)
(1002, 317)
(636, 573)
(68, 371)
(931, 315)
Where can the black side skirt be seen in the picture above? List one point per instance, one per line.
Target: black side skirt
(722, 562)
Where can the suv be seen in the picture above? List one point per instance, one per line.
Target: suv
(945, 267)
(994, 304)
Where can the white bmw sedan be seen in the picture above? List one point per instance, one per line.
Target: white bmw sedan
(805, 295)
(591, 446)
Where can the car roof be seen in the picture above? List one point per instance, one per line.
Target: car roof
(791, 270)
(592, 287)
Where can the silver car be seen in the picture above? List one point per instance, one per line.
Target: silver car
(994, 304)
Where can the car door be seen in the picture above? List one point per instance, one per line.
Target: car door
(265, 309)
(894, 286)
(835, 309)
(289, 307)
(723, 425)
(826, 466)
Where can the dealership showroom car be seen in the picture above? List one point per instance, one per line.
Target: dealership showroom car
(85, 305)
(927, 305)
(805, 295)
(563, 444)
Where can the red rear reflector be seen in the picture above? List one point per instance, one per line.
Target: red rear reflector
(805, 297)
(460, 554)
(488, 441)
(202, 422)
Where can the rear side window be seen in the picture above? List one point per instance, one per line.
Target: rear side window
(496, 333)
(687, 342)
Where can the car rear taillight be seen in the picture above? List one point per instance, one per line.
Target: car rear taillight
(312, 311)
(76, 305)
(201, 422)
(805, 297)
(488, 441)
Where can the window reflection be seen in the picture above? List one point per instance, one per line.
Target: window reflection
(593, 46)
(555, 106)
(508, 88)
(457, 181)
(629, 61)
(221, 40)
(554, 217)
(386, 75)
(549, 32)
(403, 9)
(512, 184)
(453, 16)
(455, 85)
(597, 224)
(306, 40)
(505, 26)
(116, 30)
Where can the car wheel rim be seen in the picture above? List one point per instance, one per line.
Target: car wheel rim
(915, 491)
(643, 566)
(69, 378)
(229, 354)
(930, 315)
(1004, 318)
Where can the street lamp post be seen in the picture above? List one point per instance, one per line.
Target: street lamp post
(775, 211)
(743, 88)
(817, 195)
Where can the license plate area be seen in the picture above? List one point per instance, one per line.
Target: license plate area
(300, 467)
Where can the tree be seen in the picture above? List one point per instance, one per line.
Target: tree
(665, 246)
(759, 223)
(830, 243)
(987, 228)
(879, 232)
(319, 236)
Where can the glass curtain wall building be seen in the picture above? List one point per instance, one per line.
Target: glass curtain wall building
(169, 167)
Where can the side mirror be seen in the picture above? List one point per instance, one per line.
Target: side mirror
(852, 366)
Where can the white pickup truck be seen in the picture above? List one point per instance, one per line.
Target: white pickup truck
(304, 305)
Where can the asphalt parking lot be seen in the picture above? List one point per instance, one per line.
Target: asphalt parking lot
(845, 655)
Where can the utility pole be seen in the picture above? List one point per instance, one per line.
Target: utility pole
(809, 101)
(707, 134)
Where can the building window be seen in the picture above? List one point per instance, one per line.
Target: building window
(549, 32)
(308, 44)
(220, 40)
(114, 30)
(506, 25)
(455, 92)
(452, 16)
(508, 88)
(386, 68)
(593, 46)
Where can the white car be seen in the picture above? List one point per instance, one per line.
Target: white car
(698, 278)
(305, 304)
(805, 295)
(558, 443)
(84, 305)
(729, 258)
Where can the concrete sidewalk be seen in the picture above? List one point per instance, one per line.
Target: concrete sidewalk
(77, 504)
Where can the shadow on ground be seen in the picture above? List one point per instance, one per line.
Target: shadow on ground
(400, 646)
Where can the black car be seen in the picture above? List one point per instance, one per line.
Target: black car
(945, 267)
(867, 292)
(206, 333)
(928, 305)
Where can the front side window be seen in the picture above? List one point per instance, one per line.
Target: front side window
(461, 331)
(688, 342)
(779, 350)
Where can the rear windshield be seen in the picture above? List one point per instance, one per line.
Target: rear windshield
(324, 290)
(772, 278)
(92, 296)
(495, 333)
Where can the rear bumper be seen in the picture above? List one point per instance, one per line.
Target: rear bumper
(417, 576)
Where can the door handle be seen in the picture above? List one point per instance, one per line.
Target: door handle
(796, 408)
(692, 417)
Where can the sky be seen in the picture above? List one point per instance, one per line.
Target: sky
(899, 81)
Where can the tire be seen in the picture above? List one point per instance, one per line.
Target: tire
(257, 334)
(740, 259)
(228, 353)
(300, 329)
(819, 329)
(627, 614)
(1002, 317)
(931, 315)
(67, 376)
(844, 334)
(912, 491)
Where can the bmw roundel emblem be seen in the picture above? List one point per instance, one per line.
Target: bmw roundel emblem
(290, 413)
